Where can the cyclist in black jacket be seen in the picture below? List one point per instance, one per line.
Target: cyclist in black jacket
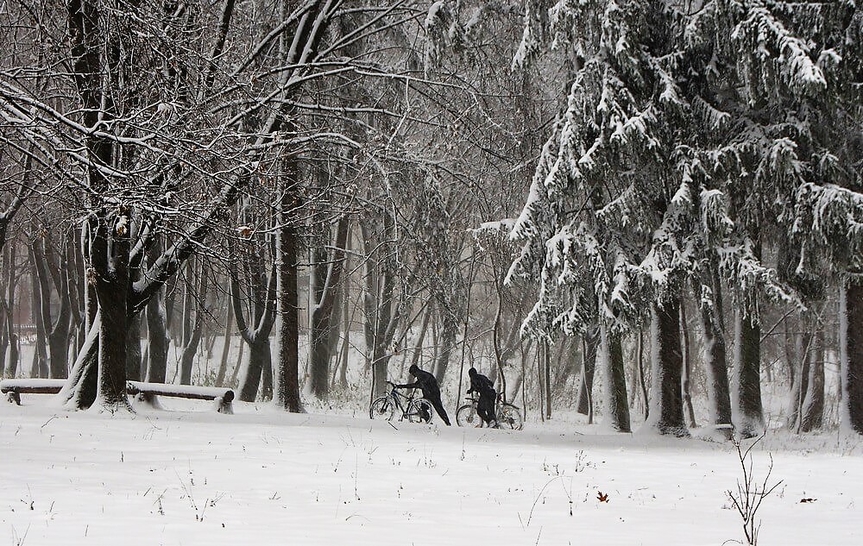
(487, 395)
(427, 383)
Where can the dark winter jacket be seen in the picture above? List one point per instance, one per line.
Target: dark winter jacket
(426, 382)
(482, 385)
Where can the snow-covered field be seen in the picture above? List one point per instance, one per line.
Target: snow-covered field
(186, 475)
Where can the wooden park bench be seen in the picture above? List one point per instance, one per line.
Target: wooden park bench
(13, 388)
(146, 392)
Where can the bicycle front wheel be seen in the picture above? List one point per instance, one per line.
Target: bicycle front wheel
(421, 411)
(382, 408)
(466, 416)
(509, 417)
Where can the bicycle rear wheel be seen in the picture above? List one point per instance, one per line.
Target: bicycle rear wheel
(382, 408)
(466, 416)
(509, 417)
(420, 411)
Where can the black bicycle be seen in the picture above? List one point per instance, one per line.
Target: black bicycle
(508, 416)
(412, 408)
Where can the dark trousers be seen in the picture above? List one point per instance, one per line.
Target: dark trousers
(434, 398)
(485, 408)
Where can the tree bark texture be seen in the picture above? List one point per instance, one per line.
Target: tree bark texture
(226, 345)
(287, 370)
(812, 409)
(716, 368)
(11, 363)
(157, 339)
(667, 363)
(79, 392)
(747, 408)
(263, 295)
(380, 303)
(584, 400)
(110, 259)
(39, 366)
(134, 354)
(324, 313)
(616, 401)
(851, 353)
(193, 326)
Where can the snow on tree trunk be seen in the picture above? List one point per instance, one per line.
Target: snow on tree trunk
(851, 353)
(666, 409)
(110, 259)
(79, 392)
(747, 410)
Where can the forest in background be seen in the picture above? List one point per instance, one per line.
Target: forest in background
(611, 206)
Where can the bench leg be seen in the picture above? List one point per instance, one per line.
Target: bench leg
(224, 406)
(13, 398)
(148, 398)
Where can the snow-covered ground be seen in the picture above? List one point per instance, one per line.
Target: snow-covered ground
(187, 475)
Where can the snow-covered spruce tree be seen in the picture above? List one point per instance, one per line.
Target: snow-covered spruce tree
(828, 221)
(607, 222)
(764, 86)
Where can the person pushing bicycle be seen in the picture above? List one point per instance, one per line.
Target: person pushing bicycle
(427, 383)
(487, 395)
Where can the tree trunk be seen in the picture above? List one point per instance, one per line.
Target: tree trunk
(381, 308)
(667, 367)
(812, 410)
(616, 406)
(584, 400)
(642, 377)
(56, 331)
(133, 344)
(546, 350)
(324, 315)
(11, 363)
(716, 368)
(264, 304)
(110, 258)
(79, 392)
(259, 356)
(193, 329)
(226, 345)
(794, 342)
(447, 342)
(851, 353)
(287, 369)
(157, 339)
(685, 345)
(39, 366)
(747, 409)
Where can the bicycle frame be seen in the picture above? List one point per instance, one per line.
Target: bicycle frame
(401, 400)
(507, 415)
(408, 407)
